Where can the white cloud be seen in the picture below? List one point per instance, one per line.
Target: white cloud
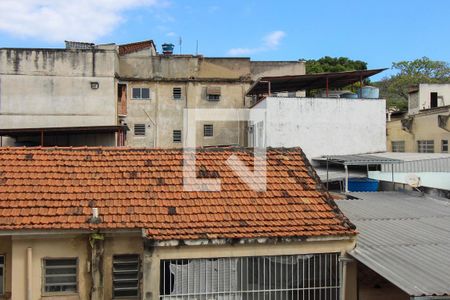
(269, 42)
(58, 20)
(171, 33)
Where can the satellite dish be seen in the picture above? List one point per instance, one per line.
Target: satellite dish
(413, 180)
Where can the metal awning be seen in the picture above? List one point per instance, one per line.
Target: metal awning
(276, 84)
(358, 160)
(16, 132)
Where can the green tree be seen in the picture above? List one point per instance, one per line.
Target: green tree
(333, 64)
(409, 74)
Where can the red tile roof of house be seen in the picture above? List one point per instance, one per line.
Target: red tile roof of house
(134, 47)
(56, 188)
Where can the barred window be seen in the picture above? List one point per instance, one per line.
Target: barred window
(176, 93)
(444, 146)
(126, 275)
(308, 276)
(208, 130)
(213, 93)
(139, 129)
(177, 136)
(60, 275)
(426, 146)
(398, 146)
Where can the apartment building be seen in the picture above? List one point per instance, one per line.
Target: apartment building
(122, 95)
(426, 127)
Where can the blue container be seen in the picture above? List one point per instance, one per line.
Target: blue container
(369, 92)
(362, 185)
(168, 48)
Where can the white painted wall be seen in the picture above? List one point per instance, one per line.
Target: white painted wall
(324, 126)
(424, 92)
(437, 180)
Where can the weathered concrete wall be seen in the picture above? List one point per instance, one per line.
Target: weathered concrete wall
(52, 88)
(424, 127)
(58, 247)
(325, 126)
(276, 68)
(5, 249)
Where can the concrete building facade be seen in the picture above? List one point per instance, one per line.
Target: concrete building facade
(322, 126)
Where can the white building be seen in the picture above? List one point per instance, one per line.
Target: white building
(320, 126)
(428, 95)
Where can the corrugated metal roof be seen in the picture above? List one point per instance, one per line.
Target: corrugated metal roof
(404, 238)
(417, 162)
(358, 159)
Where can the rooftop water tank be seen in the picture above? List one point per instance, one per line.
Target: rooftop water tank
(349, 96)
(369, 92)
(168, 48)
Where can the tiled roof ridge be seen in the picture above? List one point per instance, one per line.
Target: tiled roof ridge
(135, 46)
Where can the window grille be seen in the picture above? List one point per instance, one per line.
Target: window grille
(208, 130)
(313, 276)
(141, 93)
(126, 275)
(60, 275)
(139, 129)
(177, 136)
(2, 274)
(398, 146)
(213, 93)
(444, 146)
(176, 93)
(426, 146)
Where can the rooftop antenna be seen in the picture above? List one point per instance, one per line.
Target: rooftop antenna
(180, 41)
(196, 49)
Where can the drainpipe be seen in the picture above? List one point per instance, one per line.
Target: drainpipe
(343, 264)
(29, 273)
(346, 178)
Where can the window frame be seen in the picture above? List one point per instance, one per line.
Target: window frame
(444, 143)
(173, 136)
(180, 95)
(144, 126)
(43, 279)
(205, 130)
(140, 93)
(396, 144)
(213, 98)
(423, 145)
(138, 276)
(3, 274)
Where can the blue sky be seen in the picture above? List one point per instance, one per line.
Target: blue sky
(378, 32)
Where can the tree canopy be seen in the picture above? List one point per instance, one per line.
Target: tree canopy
(410, 73)
(333, 64)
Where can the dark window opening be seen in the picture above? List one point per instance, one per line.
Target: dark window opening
(208, 130)
(126, 275)
(433, 99)
(444, 147)
(139, 129)
(176, 93)
(177, 136)
(60, 275)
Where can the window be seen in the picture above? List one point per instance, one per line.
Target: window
(126, 275)
(307, 276)
(60, 275)
(177, 136)
(444, 146)
(176, 93)
(141, 93)
(398, 146)
(433, 99)
(2, 274)
(426, 146)
(208, 130)
(139, 129)
(213, 93)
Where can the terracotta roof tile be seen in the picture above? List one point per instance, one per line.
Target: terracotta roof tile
(56, 188)
(133, 47)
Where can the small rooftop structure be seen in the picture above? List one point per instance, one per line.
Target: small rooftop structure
(275, 84)
(405, 238)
